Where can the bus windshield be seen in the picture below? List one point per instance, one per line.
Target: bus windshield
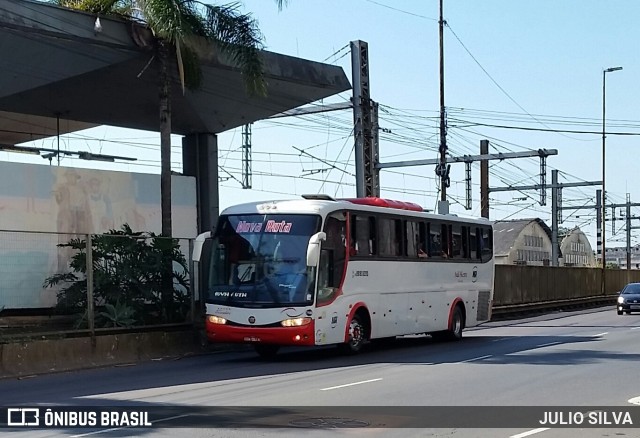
(261, 261)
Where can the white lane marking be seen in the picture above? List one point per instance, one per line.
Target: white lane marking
(548, 343)
(634, 401)
(599, 335)
(530, 432)
(350, 384)
(635, 328)
(475, 358)
(95, 432)
(500, 339)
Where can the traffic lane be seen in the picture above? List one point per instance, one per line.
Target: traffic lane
(232, 366)
(538, 373)
(610, 342)
(411, 346)
(419, 363)
(599, 319)
(234, 378)
(537, 376)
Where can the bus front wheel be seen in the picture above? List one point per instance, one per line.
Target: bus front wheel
(357, 336)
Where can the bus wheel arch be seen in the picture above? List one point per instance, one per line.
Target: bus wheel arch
(358, 330)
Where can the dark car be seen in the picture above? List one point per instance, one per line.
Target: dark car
(629, 299)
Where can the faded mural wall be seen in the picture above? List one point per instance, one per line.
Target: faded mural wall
(51, 199)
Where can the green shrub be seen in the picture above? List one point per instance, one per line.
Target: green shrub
(139, 278)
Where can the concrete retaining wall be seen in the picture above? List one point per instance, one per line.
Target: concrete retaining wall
(54, 355)
(516, 285)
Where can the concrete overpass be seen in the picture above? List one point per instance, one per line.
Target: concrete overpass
(55, 67)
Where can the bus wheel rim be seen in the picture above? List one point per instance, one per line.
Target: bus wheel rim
(355, 333)
(457, 323)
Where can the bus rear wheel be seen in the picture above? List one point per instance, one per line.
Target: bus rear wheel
(454, 333)
(266, 351)
(357, 336)
(457, 324)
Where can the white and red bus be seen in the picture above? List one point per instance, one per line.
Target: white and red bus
(320, 271)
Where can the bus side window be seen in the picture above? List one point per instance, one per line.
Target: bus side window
(445, 238)
(456, 241)
(465, 242)
(486, 244)
(390, 237)
(386, 237)
(373, 239)
(412, 240)
(353, 238)
(363, 235)
(473, 244)
(399, 245)
(435, 241)
(423, 240)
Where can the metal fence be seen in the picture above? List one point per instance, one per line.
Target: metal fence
(54, 284)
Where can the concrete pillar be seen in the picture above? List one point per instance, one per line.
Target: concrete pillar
(200, 159)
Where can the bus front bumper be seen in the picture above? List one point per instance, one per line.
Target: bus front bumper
(226, 333)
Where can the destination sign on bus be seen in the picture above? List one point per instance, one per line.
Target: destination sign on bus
(270, 227)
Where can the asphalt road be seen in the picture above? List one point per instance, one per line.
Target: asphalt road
(573, 359)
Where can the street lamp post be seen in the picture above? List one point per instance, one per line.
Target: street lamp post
(604, 196)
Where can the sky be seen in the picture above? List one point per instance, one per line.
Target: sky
(523, 75)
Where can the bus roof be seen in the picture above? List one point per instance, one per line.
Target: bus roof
(324, 205)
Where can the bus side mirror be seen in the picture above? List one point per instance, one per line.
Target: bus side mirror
(197, 246)
(313, 249)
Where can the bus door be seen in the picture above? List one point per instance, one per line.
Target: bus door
(330, 322)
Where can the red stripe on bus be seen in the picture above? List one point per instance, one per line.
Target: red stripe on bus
(388, 203)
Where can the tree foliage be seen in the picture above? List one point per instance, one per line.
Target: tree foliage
(180, 25)
(128, 272)
(102, 7)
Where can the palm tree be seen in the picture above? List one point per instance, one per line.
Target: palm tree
(177, 25)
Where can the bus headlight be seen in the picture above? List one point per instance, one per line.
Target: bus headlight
(295, 322)
(217, 320)
(620, 300)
